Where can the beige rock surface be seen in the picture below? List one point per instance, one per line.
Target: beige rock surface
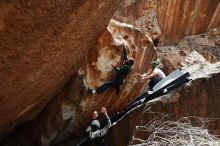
(198, 98)
(142, 14)
(51, 51)
(69, 112)
(191, 50)
(41, 44)
(170, 20)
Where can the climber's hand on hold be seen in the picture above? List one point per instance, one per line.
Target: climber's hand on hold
(138, 75)
(104, 111)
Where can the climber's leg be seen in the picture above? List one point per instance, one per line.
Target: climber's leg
(104, 87)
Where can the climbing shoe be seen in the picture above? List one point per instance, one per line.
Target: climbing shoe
(91, 91)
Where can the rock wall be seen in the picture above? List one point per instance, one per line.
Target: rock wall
(101, 59)
(142, 14)
(52, 51)
(170, 20)
(181, 18)
(198, 98)
(42, 44)
(121, 133)
(69, 112)
(203, 48)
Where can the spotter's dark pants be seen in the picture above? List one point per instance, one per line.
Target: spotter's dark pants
(154, 81)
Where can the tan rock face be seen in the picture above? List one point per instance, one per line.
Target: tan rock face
(51, 51)
(199, 98)
(142, 14)
(121, 133)
(206, 44)
(69, 113)
(202, 49)
(106, 54)
(99, 69)
(179, 18)
(169, 20)
(42, 44)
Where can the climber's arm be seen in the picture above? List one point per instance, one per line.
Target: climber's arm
(125, 53)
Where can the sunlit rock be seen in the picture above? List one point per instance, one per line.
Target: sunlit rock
(170, 21)
(42, 44)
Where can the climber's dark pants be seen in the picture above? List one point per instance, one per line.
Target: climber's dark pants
(154, 81)
(114, 83)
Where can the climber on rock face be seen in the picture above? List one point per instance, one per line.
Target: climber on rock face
(93, 131)
(121, 74)
(155, 75)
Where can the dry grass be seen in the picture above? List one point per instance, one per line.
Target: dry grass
(187, 131)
